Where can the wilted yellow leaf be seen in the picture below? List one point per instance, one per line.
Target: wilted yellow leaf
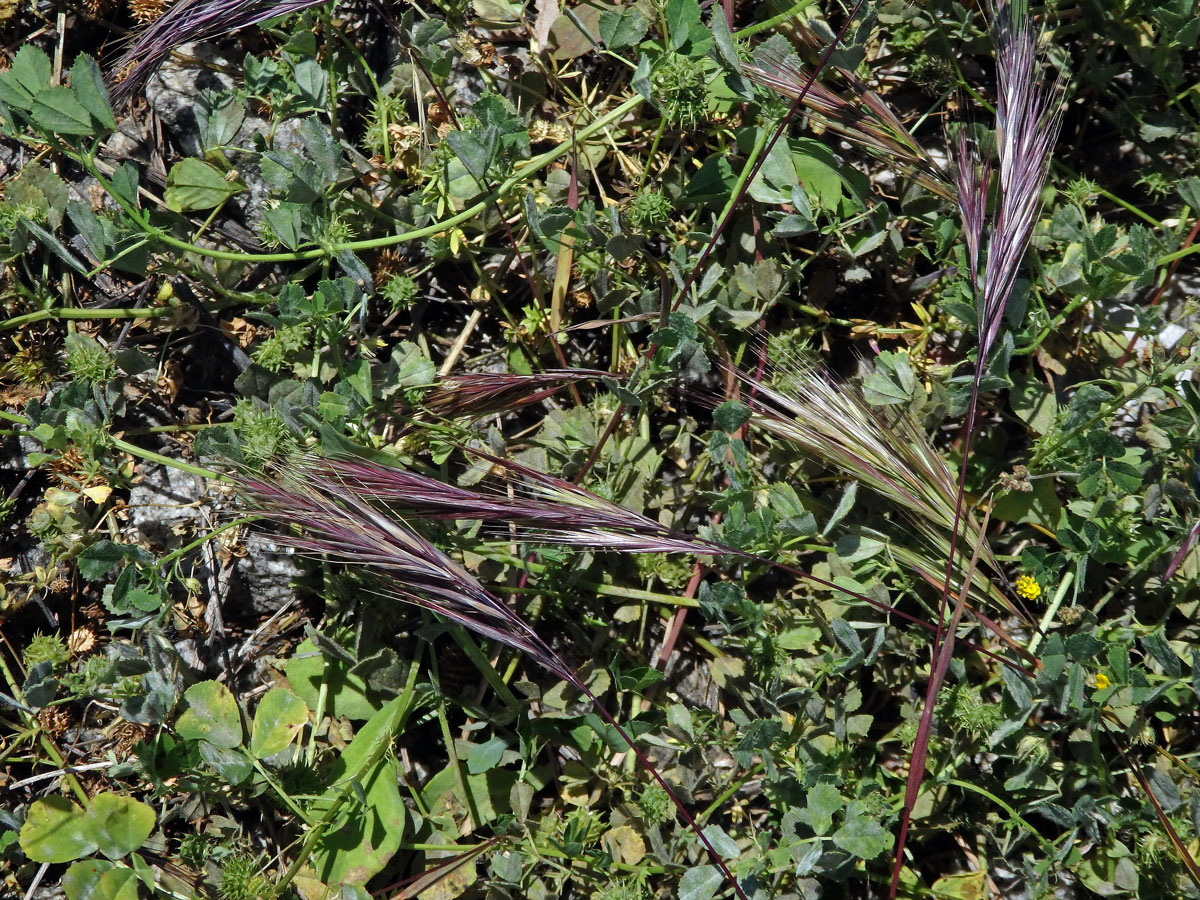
(966, 886)
(725, 667)
(625, 844)
(97, 494)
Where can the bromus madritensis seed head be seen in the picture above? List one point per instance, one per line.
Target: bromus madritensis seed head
(856, 113)
(325, 503)
(478, 394)
(1027, 122)
(884, 451)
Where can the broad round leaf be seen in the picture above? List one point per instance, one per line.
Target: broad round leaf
(370, 835)
(367, 838)
(194, 184)
(81, 880)
(116, 884)
(699, 883)
(56, 831)
(212, 715)
(863, 836)
(121, 824)
(277, 721)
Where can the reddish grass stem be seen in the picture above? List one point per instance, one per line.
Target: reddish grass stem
(1027, 126)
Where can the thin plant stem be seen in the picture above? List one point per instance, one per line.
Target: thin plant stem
(1053, 326)
(519, 176)
(652, 770)
(151, 456)
(1051, 611)
(749, 175)
(102, 314)
(456, 764)
(944, 640)
(768, 24)
(1047, 846)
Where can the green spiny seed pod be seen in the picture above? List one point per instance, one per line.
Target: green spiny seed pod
(649, 210)
(654, 804)
(88, 360)
(971, 714)
(679, 90)
(241, 879)
(46, 648)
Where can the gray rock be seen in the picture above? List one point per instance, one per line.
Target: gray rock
(266, 575)
(189, 655)
(165, 503)
(171, 91)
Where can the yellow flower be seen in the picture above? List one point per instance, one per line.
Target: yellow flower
(1028, 588)
(1102, 681)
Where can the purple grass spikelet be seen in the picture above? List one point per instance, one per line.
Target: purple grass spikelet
(478, 394)
(1028, 118)
(190, 20)
(553, 509)
(333, 521)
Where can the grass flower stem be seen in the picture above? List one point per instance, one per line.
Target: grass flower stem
(944, 640)
(1052, 610)
(133, 450)
(1027, 123)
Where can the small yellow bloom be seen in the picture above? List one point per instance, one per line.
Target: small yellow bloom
(1028, 588)
(1102, 681)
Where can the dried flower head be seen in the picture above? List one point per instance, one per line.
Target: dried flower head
(146, 11)
(55, 719)
(81, 641)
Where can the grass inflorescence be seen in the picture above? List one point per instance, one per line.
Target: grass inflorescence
(646, 450)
